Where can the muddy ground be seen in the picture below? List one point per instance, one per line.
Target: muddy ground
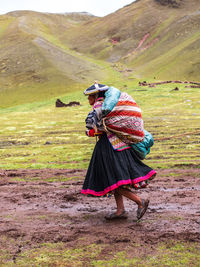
(36, 212)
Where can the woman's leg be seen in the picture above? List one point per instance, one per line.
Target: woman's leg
(120, 213)
(129, 194)
(119, 193)
(119, 202)
(142, 204)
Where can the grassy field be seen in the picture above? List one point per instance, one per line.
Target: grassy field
(38, 135)
(172, 254)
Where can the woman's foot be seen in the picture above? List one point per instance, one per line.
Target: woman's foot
(142, 209)
(113, 216)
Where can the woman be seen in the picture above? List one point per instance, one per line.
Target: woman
(113, 170)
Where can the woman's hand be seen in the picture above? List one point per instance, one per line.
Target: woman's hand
(93, 133)
(90, 133)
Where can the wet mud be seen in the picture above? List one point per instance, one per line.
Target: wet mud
(36, 212)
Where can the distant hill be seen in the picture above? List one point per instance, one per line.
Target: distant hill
(44, 55)
(158, 38)
(34, 63)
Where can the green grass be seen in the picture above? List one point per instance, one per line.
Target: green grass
(179, 254)
(38, 135)
(167, 254)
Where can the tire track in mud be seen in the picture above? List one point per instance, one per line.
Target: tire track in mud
(38, 212)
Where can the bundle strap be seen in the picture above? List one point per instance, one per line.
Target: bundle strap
(104, 125)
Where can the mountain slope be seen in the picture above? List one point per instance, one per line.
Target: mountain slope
(33, 61)
(149, 35)
(45, 55)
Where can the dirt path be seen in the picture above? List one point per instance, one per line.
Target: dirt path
(36, 212)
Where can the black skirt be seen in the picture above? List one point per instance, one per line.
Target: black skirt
(110, 169)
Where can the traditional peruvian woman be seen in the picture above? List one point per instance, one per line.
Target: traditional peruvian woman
(116, 166)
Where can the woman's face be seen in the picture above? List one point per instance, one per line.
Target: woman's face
(91, 99)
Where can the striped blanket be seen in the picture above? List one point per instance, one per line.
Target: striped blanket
(125, 120)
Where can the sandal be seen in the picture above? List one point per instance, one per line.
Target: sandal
(141, 211)
(113, 216)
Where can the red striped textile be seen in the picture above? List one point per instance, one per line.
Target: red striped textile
(125, 120)
(128, 130)
(125, 103)
(124, 113)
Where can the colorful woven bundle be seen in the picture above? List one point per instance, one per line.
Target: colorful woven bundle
(125, 120)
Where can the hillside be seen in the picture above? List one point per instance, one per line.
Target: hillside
(34, 63)
(155, 37)
(44, 55)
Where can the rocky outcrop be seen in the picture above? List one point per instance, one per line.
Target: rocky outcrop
(60, 104)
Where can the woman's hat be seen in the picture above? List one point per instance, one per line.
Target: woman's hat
(96, 88)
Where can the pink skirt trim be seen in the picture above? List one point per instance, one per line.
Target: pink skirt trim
(118, 184)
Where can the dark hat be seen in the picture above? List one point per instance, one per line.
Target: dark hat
(96, 88)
